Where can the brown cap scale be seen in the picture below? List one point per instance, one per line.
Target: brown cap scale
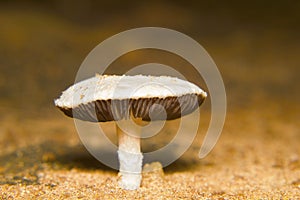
(121, 98)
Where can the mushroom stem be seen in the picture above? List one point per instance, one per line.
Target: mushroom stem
(130, 156)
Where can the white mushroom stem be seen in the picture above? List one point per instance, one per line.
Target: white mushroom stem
(130, 156)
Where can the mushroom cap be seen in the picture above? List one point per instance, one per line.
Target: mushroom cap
(111, 98)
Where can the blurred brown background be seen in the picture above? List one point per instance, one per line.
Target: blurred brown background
(255, 44)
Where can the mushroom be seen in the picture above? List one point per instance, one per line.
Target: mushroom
(121, 98)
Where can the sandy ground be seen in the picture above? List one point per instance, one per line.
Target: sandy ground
(257, 156)
(254, 159)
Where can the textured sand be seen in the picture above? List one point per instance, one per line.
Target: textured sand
(44, 160)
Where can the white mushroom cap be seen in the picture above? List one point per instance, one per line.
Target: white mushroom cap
(113, 97)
